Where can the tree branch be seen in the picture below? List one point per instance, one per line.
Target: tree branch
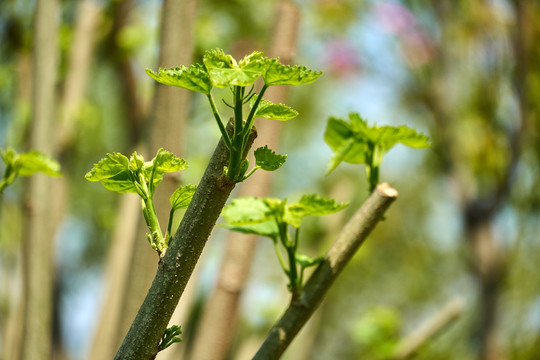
(351, 238)
(429, 329)
(176, 266)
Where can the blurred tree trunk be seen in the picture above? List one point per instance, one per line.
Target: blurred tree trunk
(123, 238)
(220, 316)
(14, 322)
(488, 261)
(38, 245)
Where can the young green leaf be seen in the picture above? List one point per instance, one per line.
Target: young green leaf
(182, 196)
(279, 74)
(8, 156)
(113, 173)
(224, 71)
(193, 78)
(169, 337)
(268, 160)
(34, 161)
(311, 205)
(357, 143)
(269, 110)
(246, 211)
(166, 162)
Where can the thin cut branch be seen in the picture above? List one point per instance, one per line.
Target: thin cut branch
(430, 329)
(176, 267)
(351, 238)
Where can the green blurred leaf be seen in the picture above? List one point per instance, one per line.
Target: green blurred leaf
(268, 160)
(246, 211)
(355, 142)
(8, 156)
(224, 71)
(182, 196)
(27, 164)
(269, 110)
(194, 77)
(279, 74)
(113, 173)
(310, 205)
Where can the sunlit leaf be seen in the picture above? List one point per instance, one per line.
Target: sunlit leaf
(194, 77)
(136, 162)
(246, 211)
(224, 71)
(268, 160)
(29, 163)
(113, 173)
(166, 162)
(357, 143)
(182, 196)
(311, 205)
(269, 110)
(279, 74)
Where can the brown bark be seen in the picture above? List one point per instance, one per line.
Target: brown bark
(218, 324)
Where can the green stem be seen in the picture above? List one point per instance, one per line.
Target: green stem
(224, 134)
(280, 257)
(151, 219)
(169, 225)
(238, 111)
(251, 172)
(3, 185)
(293, 274)
(251, 117)
(291, 250)
(372, 170)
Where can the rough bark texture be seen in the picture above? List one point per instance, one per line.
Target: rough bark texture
(351, 238)
(218, 324)
(38, 244)
(175, 268)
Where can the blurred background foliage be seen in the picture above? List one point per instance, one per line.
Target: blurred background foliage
(467, 219)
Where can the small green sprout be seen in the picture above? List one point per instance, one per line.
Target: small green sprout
(271, 217)
(169, 337)
(357, 143)
(223, 71)
(118, 173)
(26, 164)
